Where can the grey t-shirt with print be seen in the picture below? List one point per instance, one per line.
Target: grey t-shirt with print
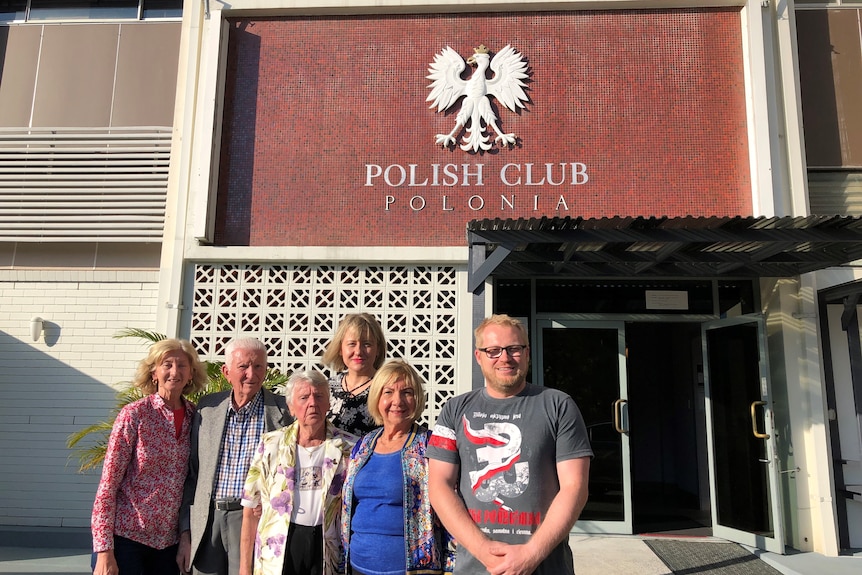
(507, 450)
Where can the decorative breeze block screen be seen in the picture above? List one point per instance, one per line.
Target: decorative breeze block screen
(294, 310)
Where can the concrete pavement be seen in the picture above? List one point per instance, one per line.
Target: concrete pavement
(629, 555)
(16, 560)
(594, 555)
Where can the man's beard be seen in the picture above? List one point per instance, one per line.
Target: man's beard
(505, 383)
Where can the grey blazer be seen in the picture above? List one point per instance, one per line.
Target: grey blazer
(206, 437)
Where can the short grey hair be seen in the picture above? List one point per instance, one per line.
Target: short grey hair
(312, 376)
(244, 343)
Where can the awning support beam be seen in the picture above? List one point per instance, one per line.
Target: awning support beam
(479, 271)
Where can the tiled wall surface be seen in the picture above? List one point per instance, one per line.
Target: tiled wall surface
(636, 112)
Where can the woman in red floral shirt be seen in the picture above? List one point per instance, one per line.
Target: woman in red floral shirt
(136, 514)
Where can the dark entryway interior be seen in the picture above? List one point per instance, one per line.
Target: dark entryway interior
(666, 423)
(667, 428)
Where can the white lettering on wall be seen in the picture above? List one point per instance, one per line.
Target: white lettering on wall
(476, 202)
(562, 203)
(464, 175)
(504, 177)
(477, 174)
(387, 176)
(417, 203)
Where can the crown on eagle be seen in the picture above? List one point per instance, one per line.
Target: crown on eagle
(481, 49)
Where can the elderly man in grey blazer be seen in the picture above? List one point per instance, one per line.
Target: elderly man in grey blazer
(225, 433)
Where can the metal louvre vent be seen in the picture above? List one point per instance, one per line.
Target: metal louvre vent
(83, 185)
(835, 192)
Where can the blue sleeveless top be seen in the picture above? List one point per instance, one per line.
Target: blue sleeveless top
(377, 542)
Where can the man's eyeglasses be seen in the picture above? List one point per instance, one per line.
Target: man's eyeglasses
(512, 350)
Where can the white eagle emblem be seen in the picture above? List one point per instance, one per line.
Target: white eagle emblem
(447, 86)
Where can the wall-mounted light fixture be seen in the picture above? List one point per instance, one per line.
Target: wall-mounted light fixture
(36, 328)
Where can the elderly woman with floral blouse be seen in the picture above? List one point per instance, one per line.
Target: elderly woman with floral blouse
(296, 477)
(388, 526)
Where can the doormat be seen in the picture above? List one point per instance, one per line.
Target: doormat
(708, 558)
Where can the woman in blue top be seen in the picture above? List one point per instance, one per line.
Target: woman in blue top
(388, 526)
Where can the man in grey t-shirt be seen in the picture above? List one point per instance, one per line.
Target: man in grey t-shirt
(509, 464)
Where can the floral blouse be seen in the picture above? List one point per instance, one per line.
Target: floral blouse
(349, 412)
(145, 467)
(270, 482)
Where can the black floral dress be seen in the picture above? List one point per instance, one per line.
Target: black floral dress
(349, 412)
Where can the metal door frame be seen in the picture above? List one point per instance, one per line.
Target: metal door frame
(624, 527)
(776, 542)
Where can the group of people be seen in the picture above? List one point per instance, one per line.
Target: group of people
(338, 476)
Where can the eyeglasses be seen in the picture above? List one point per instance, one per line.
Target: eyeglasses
(512, 350)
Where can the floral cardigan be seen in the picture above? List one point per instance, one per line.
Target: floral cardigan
(429, 548)
(270, 482)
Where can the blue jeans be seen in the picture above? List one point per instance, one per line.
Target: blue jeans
(135, 558)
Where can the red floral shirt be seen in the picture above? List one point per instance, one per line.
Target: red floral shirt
(145, 466)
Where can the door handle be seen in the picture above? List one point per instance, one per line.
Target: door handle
(757, 434)
(618, 415)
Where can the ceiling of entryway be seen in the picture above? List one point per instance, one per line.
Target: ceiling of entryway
(661, 246)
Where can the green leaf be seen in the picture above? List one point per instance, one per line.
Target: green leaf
(149, 337)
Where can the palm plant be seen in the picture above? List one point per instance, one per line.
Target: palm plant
(91, 455)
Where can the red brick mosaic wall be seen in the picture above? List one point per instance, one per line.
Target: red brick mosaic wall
(638, 113)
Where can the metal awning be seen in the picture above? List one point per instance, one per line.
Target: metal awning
(661, 246)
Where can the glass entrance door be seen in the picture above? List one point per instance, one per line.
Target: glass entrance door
(587, 361)
(740, 435)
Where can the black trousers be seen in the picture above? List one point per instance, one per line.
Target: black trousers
(303, 550)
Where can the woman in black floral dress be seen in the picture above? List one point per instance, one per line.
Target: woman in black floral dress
(357, 351)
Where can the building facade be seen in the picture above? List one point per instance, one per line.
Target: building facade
(631, 179)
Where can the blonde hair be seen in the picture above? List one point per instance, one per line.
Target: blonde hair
(144, 374)
(364, 325)
(392, 371)
(501, 320)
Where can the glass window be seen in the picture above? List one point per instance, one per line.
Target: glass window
(512, 297)
(163, 9)
(736, 297)
(92, 10)
(11, 10)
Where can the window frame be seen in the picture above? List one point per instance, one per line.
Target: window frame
(19, 11)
